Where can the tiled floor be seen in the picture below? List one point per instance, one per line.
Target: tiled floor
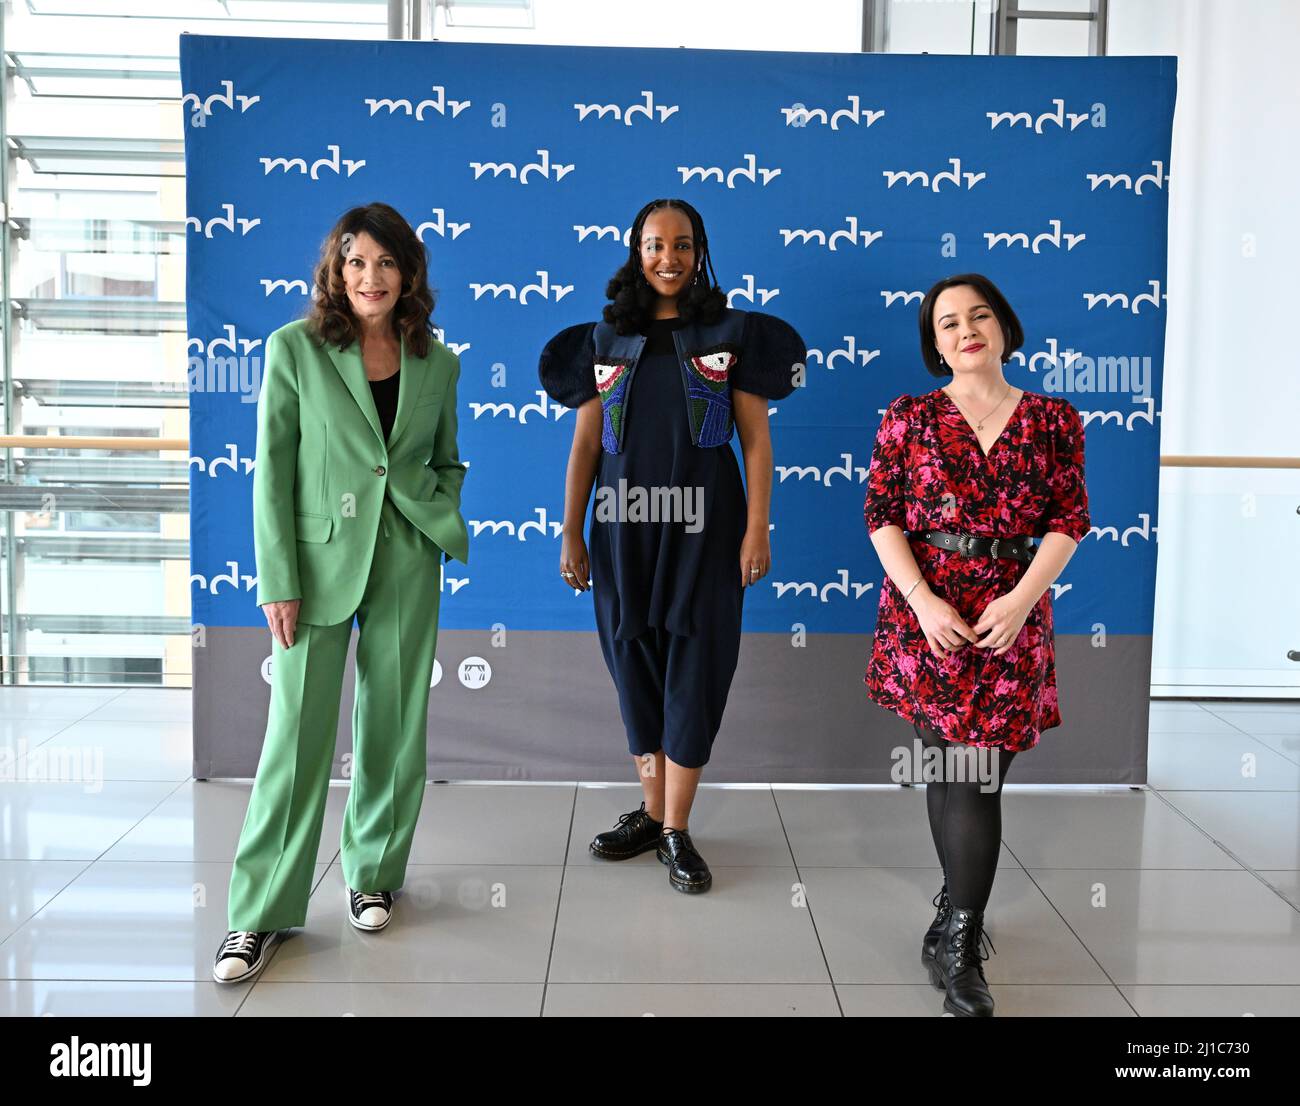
(1179, 899)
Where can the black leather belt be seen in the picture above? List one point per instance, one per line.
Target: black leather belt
(968, 545)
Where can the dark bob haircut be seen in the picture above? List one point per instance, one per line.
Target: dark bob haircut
(633, 300)
(1013, 335)
(330, 313)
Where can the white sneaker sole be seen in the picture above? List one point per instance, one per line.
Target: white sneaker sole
(361, 925)
(368, 928)
(253, 968)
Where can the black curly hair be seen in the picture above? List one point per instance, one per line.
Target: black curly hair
(633, 300)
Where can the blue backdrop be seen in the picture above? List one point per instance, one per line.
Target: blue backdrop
(836, 188)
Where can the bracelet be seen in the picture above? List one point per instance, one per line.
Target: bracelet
(912, 588)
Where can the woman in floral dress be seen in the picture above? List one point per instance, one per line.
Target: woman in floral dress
(963, 646)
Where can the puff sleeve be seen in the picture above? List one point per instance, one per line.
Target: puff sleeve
(567, 366)
(1067, 511)
(771, 351)
(887, 476)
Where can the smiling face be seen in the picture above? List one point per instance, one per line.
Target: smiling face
(371, 278)
(967, 332)
(668, 255)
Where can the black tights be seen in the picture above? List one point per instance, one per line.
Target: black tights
(966, 823)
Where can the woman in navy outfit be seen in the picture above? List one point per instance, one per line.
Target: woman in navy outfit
(658, 387)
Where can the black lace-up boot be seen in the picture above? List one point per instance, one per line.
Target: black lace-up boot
(930, 943)
(958, 969)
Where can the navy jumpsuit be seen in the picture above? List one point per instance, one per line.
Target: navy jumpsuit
(667, 594)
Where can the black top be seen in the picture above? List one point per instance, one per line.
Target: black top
(666, 574)
(385, 393)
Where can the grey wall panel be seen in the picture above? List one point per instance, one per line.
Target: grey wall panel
(795, 715)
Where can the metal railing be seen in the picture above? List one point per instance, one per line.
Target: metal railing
(56, 441)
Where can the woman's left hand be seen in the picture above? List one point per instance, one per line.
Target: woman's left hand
(1003, 619)
(755, 557)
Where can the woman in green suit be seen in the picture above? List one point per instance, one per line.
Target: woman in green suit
(356, 491)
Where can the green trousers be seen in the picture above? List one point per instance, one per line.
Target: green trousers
(398, 627)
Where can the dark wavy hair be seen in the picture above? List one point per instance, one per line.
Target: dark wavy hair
(330, 314)
(1013, 335)
(633, 300)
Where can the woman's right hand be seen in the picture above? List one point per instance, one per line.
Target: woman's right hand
(944, 629)
(573, 560)
(282, 617)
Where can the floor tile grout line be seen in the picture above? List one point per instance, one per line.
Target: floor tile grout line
(1276, 752)
(1082, 943)
(803, 982)
(1084, 789)
(280, 940)
(1240, 731)
(1220, 845)
(86, 865)
(153, 809)
(77, 783)
(724, 867)
(647, 983)
(559, 899)
(1253, 737)
(830, 976)
(774, 866)
(96, 859)
(1155, 787)
(70, 722)
(589, 983)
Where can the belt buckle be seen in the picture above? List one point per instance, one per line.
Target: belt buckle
(963, 544)
(993, 551)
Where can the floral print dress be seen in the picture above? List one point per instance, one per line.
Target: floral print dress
(928, 472)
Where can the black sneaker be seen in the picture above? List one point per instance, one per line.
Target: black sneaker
(686, 868)
(242, 955)
(370, 910)
(635, 833)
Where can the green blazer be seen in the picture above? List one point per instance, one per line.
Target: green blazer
(323, 467)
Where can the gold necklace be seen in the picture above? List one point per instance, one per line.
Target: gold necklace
(979, 425)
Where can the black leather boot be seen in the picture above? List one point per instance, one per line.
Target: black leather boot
(635, 833)
(930, 943)
(686, 868)
(958, 969)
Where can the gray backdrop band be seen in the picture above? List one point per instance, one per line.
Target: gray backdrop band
(549, 712)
